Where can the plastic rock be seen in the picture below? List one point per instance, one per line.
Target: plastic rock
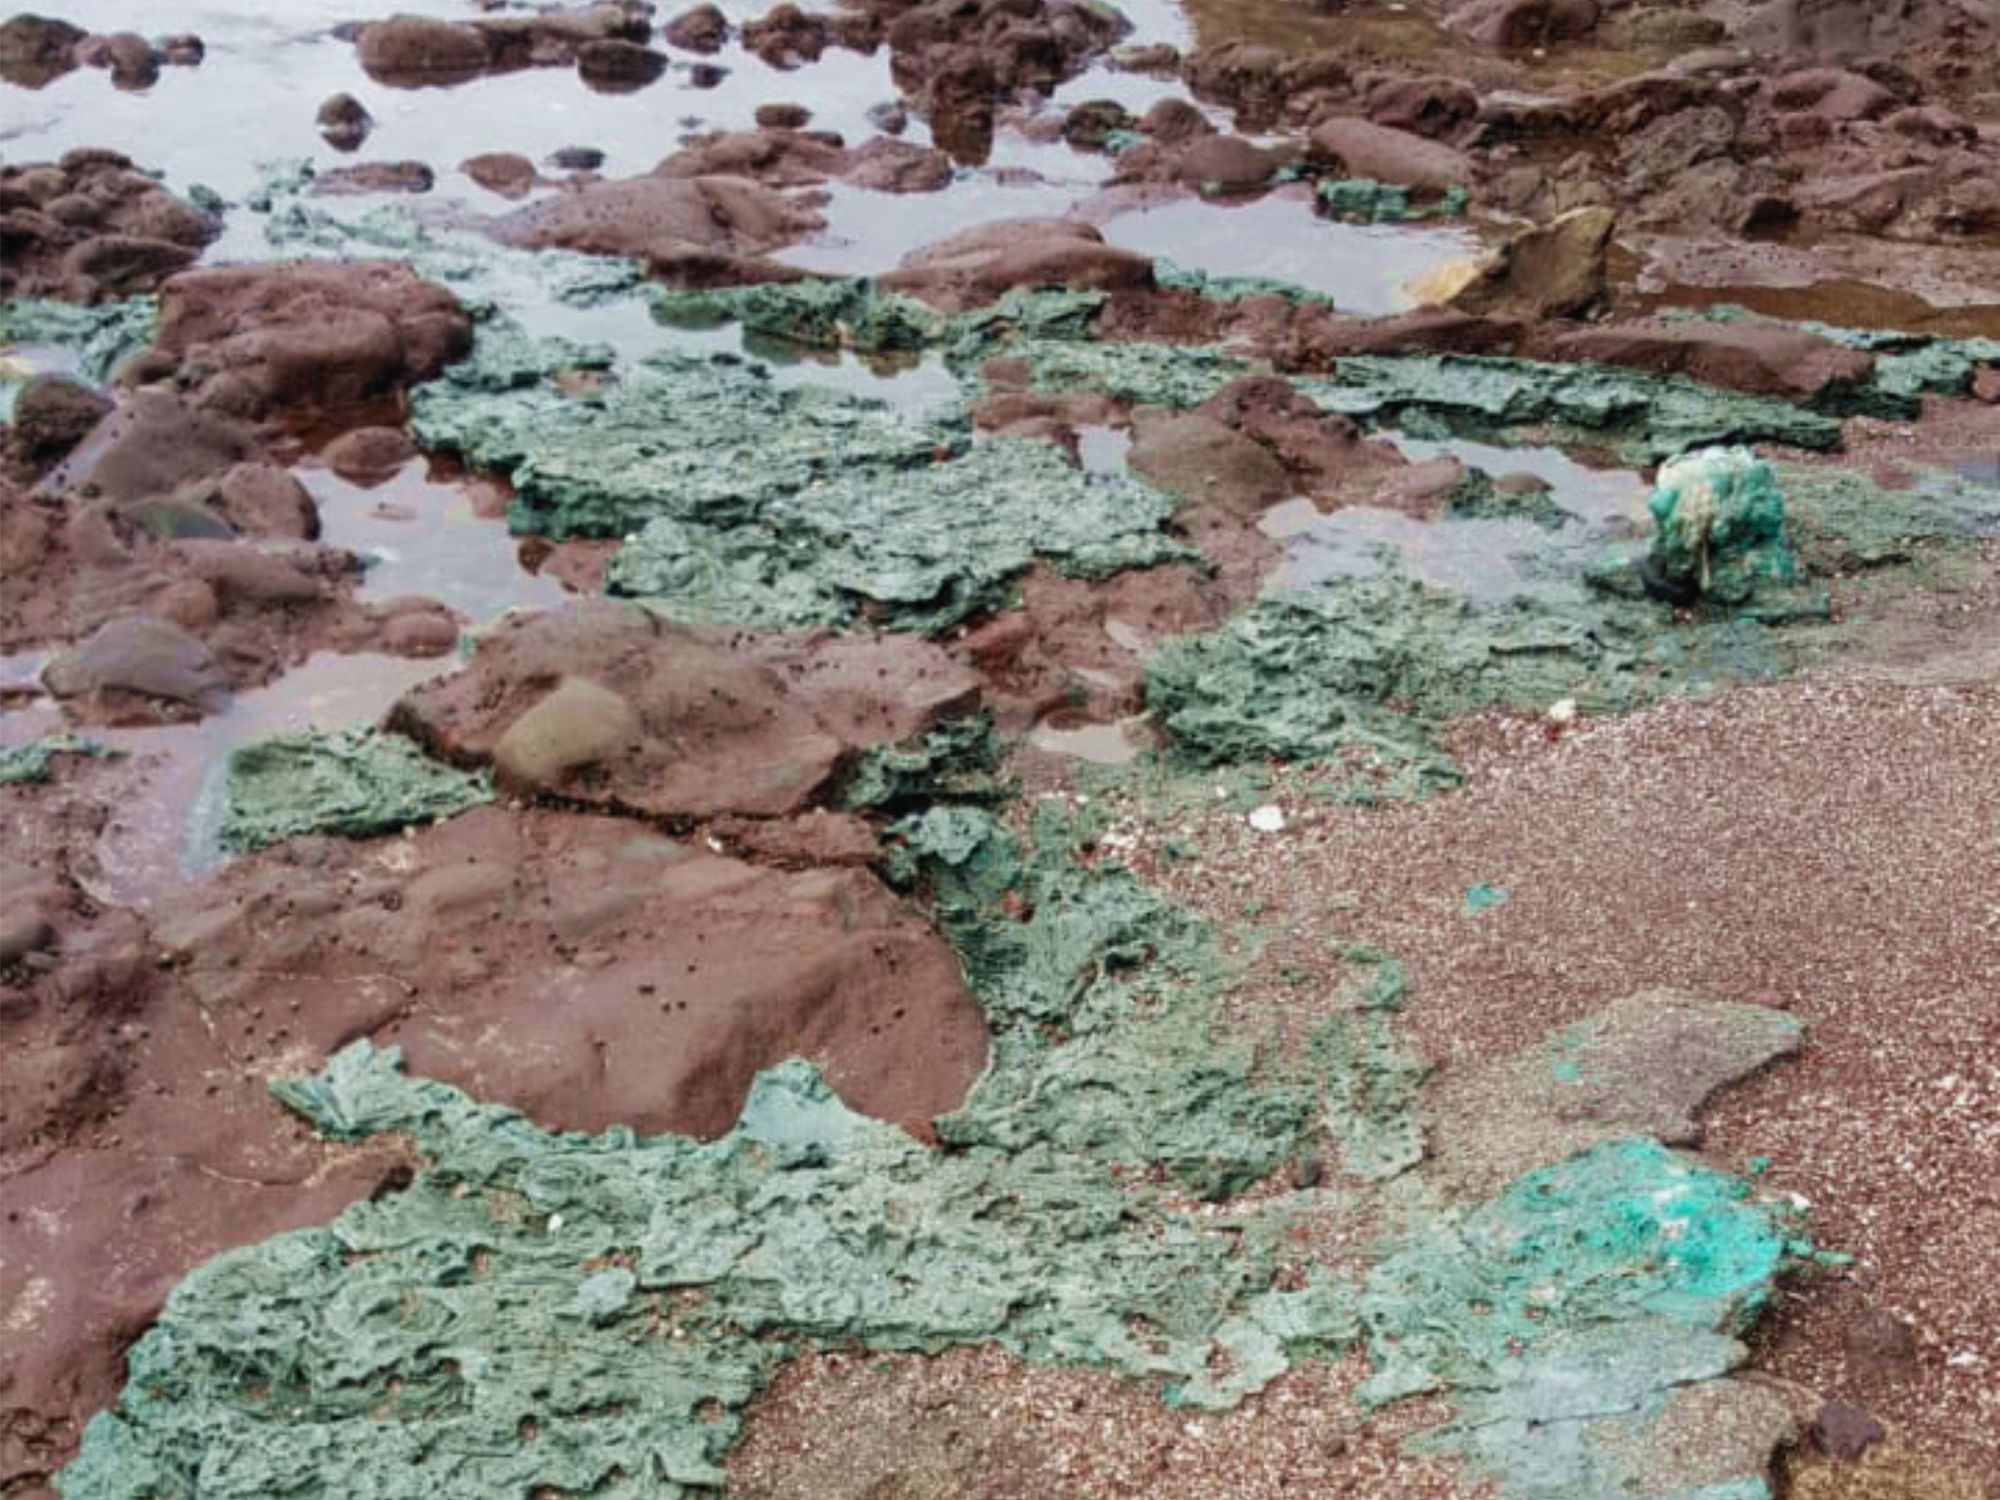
(1721, 527)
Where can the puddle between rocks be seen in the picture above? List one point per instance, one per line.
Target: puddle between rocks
(255, 95)
(1488, 558)
(419, 535)
(1099, 744)
(164, 830)
(1364, 268)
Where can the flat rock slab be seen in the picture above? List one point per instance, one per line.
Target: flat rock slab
(588, 972)
(610, 706)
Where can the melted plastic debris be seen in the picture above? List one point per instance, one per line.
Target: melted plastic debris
(1719, 526)
(1842, 520)
(1363, 200)
(1219, 288)
(548, 1310)
(1106, 1036)
(958, 761)
(1370, 1076)
(1564, 1314)
(357, 783)
(23, 765)
(704, 439)
(905, 548)
(744, 501)
(1908, 366)
(854, 313)
(1651, 416)
(1370, 666)
(841, 313)
(1139, 374)
(99, 338)
(564, 1312)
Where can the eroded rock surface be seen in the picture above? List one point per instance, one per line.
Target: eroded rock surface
(610, 706)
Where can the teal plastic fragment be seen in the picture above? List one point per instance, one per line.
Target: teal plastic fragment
(1482, 898)
(1565, 1314)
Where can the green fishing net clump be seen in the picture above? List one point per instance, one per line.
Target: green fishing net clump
(357, 783)
(1719, 526)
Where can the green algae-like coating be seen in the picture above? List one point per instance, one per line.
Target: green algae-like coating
(1220, 288)
(958, 761)
(33, 762)
(542, 1309)
(918, 548)
(1368, 668)
(1653, 416)
(104, 336)
(593, 1313)
(1363, 200)
(843, 313)
(1106, 1033)
(699, 440)
(357, 783)
(1139, 374)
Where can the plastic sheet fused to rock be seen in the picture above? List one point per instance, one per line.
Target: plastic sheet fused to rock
(911, 549)
(33, 762)
(358, 783)
(746, 502)
(547, 1311)
(1652, 416)
(102, 336)
(1368, 667)
(1567, 1315)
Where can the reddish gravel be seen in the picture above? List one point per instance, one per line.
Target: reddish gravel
(978, 1425)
